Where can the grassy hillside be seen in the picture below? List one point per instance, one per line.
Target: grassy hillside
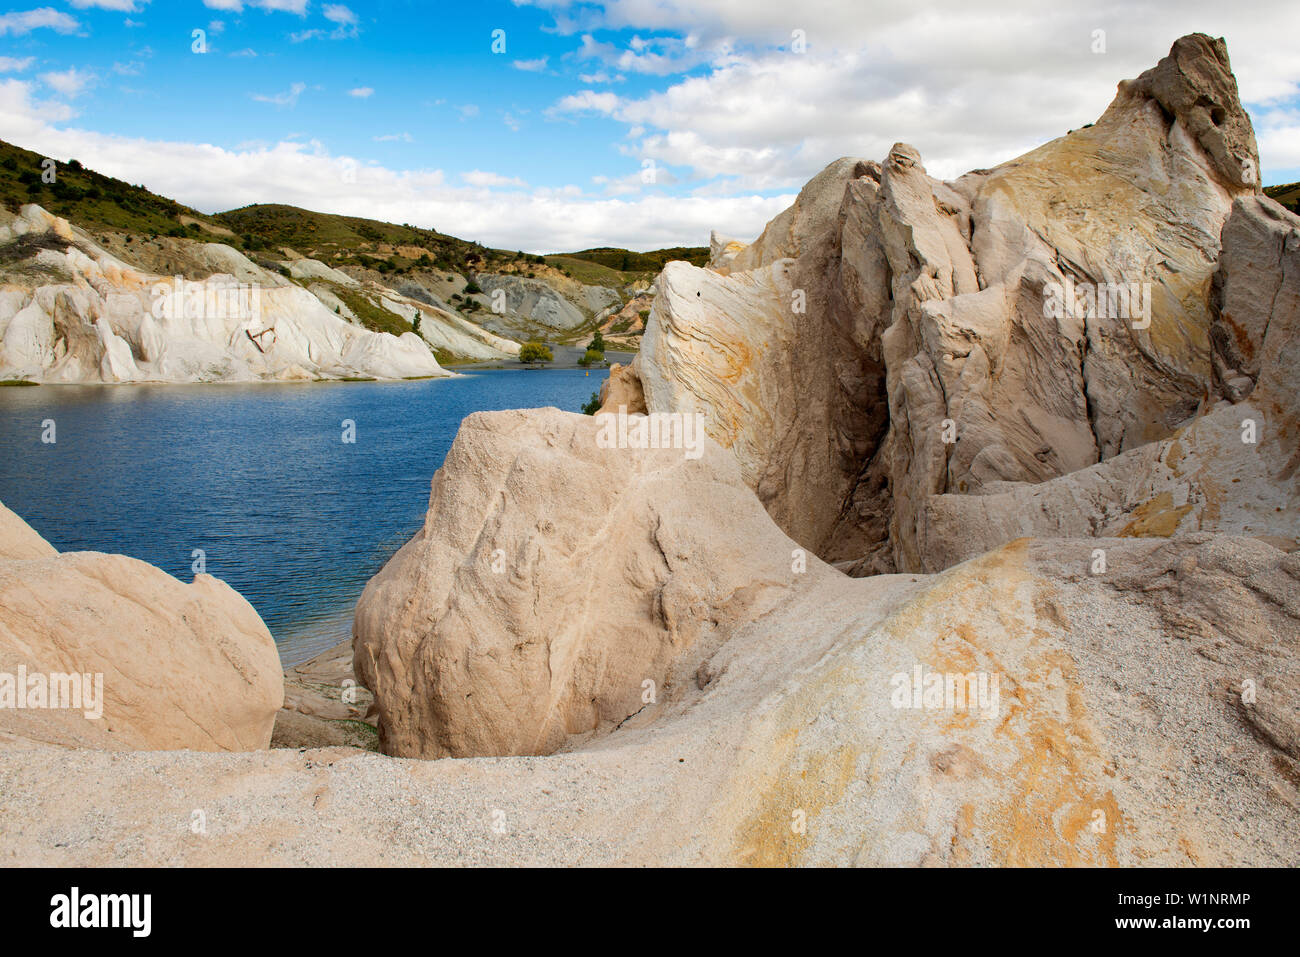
(626, 261)
(1288, 195)
(352, 240)
(89, 199)
(99, 203)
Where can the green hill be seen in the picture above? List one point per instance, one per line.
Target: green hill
(90, 199)
(98, 203)
(1288, 195)
(624, 260)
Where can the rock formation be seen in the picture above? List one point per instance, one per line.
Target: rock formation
(789, 688)
(178, 666)
(1092, 657)
(892, 339)
(1066, 385)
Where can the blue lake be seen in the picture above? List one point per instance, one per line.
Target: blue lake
(257, 476)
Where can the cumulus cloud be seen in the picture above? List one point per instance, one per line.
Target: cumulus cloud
(531, 66)
(122, 6)
(21, 23)
(969, 84)
(587, 101)
(477, 177)
(12, 64)
(211, 178)
(71, 82)
(362, 92)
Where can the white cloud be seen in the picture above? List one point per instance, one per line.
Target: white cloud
(11, 64)
(70, 82)
(531, 66)
(970, 84)
(478, 177)
(586, 101)
(362, 92)
(212, 179)
(270, 6)
(659, 56)
(601, 76)
(288, 98)
(122, 6)
(394, 138)
(338, 13)
(217, 27)
(17, 24)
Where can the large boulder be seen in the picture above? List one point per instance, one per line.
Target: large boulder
(133, 658)
(555, 576)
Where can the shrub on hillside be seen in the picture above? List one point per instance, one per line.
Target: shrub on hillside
(535, 352)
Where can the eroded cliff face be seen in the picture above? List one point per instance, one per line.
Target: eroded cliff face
(71, 312)
(892, 338)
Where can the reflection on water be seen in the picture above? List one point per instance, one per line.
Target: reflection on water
(255, 476)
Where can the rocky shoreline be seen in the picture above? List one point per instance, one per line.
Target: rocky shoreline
(962, 573)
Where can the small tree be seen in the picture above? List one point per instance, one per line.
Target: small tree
(415, 323)
(535, 352)
(597, 344)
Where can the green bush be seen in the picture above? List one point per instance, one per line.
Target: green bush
(535, 352)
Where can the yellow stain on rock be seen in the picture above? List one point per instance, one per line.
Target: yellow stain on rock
(1155, 518)
(768, 837)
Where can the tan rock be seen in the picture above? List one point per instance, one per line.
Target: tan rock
(552, 580)
(1017, 325)
(158, 664)
(622, 390)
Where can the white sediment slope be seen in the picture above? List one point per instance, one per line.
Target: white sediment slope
(71, 312)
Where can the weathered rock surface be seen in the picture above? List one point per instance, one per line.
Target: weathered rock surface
(521, 306)
(325, 706)
(622, 390)
(1142, 715)
(551, 580)
(179, 666)
(892, 338)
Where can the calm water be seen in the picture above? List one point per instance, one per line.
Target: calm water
(257, 476)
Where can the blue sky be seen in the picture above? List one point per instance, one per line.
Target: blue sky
(634, 122)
